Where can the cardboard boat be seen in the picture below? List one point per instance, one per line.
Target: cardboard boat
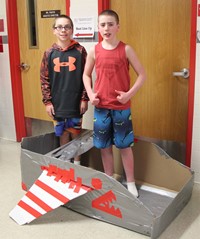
(165, 185)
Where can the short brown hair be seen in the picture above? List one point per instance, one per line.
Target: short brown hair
(110, 12)
(63, 16)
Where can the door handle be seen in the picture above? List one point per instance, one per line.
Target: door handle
(185, 73)
(23, 66)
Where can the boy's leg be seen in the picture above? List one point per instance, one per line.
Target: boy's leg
(77, 159)
(64, 138)
(102, 138)
(128, 164)
(124, 139)
(74, 126)
(107, 159)
(59, 128)
(67, 130)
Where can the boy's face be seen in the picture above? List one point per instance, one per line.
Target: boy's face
(108, 26)
(63, 29)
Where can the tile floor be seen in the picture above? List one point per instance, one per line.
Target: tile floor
(63, 223)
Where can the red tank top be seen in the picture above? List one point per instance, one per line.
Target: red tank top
(112, 73)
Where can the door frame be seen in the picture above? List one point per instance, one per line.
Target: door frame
(16, 81)
(191, 87)
(15, 73)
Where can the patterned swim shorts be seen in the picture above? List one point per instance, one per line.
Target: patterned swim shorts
(113, 127)
(72, 125)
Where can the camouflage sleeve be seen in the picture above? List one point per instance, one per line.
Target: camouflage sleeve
(84, 93)
(44, 80)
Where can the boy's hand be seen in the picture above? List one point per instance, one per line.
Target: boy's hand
(50, 110)
(83, 107)
(122, 96)
(94, 99)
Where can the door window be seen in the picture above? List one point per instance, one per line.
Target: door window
(32, 24)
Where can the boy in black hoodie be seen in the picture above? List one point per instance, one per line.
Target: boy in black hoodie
(62, 86)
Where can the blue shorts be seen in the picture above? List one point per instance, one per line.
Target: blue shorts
(72, 125)
(113, 127)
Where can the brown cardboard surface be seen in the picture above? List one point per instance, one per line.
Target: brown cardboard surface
(154, 166)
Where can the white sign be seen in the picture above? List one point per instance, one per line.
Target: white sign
(83, 27)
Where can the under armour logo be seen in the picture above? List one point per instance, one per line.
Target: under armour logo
(70, 63)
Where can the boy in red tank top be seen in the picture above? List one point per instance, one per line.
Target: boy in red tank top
(111, 95)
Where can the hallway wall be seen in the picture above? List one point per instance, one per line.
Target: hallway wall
(7, 125)
(79, 9)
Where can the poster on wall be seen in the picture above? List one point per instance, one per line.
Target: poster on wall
(83, 27)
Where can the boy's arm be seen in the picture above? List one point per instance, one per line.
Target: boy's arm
(45, 86)
(87, 77)
(139, 69)
(84, 96)
(123, 97)
(44, 80)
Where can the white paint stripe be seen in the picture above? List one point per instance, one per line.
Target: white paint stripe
(21, 216)
(33, 204)
(45, 197)
(60, 187)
